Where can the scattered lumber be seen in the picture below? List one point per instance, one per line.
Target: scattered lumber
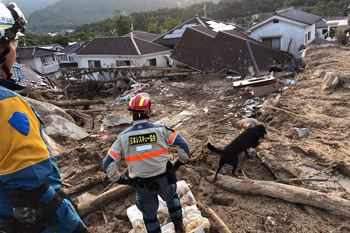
(70, 103)
(86, 111)
(223, 228)
(198, 157)
(103, 199)
(128, 68)
(284, 192)
(170, 75)
(112, 183)
(280, 109)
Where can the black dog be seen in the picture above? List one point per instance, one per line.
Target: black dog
(249, 138)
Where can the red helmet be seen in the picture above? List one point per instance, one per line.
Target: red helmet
(140, 104)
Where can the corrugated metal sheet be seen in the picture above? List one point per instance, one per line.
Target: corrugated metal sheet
(225, 51)
(172, 37)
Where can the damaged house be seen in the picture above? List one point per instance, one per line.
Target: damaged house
(41, 59)
(172, 37)
(226, 52)
(288, 29)
(112, 52)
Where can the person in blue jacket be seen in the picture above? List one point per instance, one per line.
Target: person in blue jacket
(30, 195)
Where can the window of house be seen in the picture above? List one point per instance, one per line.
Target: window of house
(44, 61)
(123, 63)
(305, 38)
(71, 59)
(94, 64)
(276, 21)
(272, 42)
(309, 36)
(324, 31)
(53, 58)
(152, 62)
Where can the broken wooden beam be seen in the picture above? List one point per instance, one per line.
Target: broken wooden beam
(223, 228)
(103, 199)
(70, 103)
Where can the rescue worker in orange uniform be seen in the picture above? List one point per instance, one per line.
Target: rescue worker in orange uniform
(145, 146)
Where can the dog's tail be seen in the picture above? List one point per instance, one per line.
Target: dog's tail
(212, 148)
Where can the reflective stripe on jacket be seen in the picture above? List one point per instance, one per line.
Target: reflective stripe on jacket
(145, 147)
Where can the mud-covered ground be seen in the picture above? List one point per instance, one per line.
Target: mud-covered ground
(213, 108)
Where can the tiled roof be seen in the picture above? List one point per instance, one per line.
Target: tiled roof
(120, 46)
(30, 52)
(71, 49)
(299, 16)
(143, 35)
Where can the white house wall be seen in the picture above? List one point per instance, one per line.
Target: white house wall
(311, 29)
(110, 61)
(32, 62)
(287, 30)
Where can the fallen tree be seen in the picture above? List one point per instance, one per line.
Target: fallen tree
(285, 192)
(103, 199)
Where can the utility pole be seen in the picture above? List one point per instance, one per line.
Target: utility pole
(205, 10)
(195, 8)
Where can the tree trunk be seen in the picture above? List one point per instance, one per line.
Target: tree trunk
(103, 199)
(285, 192)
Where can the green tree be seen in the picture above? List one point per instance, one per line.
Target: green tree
(120, 24)
(61, 40)
(27, 41)
(171, 23)
(340, 35)
(153, 28)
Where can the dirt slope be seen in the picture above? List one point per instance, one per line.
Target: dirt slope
(207, 100)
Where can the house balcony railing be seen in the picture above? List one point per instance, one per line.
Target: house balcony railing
(50, 67)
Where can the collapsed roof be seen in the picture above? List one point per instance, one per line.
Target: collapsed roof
(172, 37)
(223, 51)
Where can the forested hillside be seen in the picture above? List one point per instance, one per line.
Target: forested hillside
(164, 19)
(238, 11)
(66, 14)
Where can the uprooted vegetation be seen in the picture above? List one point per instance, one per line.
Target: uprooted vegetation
(206, 108)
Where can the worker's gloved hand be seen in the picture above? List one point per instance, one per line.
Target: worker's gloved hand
(123, 181)
(177, 164)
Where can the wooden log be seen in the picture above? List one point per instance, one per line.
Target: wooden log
(284, 192)
(223, 228)
(70, 103)
(86, 183)
(103, 199)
